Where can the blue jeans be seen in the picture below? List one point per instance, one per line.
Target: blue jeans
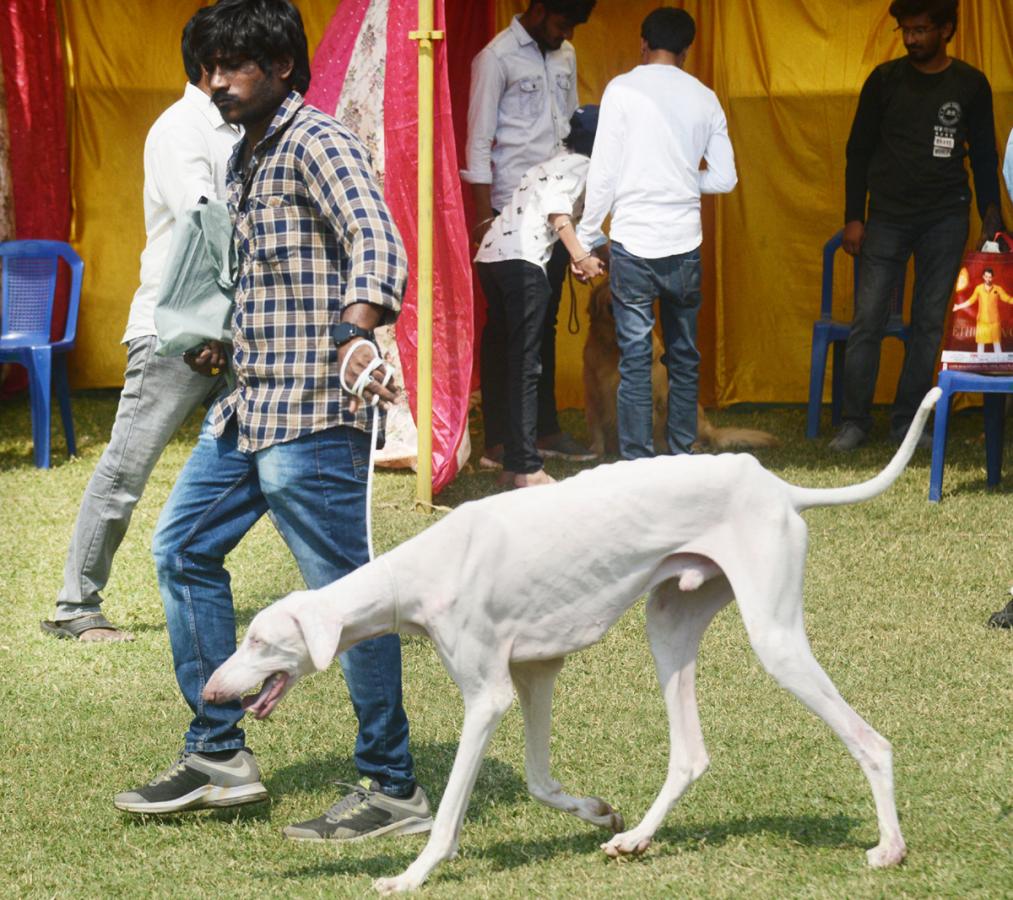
(315, 487)
(938, 248)
(635, 283)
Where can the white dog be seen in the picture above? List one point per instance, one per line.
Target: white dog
(507, 586)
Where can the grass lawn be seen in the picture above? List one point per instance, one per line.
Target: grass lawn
(897, 594)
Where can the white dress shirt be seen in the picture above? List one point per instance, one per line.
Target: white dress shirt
(519, 110)
(186, 155)
(522, 230)
(655, 125)
(1007, 166)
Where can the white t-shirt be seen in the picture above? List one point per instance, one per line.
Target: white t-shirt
(655, 125)
(186, 156)
(519, 110)
(522, 230)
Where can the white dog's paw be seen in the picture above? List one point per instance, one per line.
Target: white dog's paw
(628, 844)
(886, 854)
(399, 884)
(603, 814)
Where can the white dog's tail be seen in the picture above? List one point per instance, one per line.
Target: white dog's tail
(805, 498)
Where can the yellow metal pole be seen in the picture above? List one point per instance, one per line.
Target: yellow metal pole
(424, 266)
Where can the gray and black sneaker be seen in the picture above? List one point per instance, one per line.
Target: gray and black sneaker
(198, 781)
(366, 812)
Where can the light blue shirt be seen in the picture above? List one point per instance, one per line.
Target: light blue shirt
(1007, 166)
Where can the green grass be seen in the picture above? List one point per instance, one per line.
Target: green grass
(897, 593)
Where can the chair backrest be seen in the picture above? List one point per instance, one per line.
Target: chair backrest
(830, 249)
(29, 290)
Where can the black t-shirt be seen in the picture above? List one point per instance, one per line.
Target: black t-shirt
(908, 142)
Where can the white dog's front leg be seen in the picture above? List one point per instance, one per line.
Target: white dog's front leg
(482, 714)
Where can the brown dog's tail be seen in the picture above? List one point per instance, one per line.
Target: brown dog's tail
(805, 498)
(707, 435)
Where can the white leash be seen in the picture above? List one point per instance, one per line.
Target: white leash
(365, 377)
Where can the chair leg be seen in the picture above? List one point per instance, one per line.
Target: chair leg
(40, 369)
(817, 373)
(837, 382)
(995, 420)
(61, 385)
(939, 444)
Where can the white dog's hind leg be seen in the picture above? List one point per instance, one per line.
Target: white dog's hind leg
(778, 637)
(675, 624)
(483, 710)
(534, 682)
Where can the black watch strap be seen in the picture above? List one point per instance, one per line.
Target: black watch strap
(344, 332)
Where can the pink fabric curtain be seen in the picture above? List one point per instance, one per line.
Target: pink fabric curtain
(453, 328)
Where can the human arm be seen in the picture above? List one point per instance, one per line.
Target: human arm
(177, 162)
(209, 360)
(984, 160)
(585, 264)
(720, 176)
(603, 174)
(862, 141)
(342, 188)
(487, 86)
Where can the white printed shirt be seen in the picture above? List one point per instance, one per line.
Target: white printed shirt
(522, 230)
(519, 110)
(186, 156)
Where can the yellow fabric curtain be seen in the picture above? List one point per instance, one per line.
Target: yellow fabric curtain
(788, 74)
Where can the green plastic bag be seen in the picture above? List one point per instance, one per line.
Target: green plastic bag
(195, 300)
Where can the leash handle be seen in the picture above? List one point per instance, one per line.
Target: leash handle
(358, 389)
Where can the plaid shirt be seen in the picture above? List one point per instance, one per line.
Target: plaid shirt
(313, 236)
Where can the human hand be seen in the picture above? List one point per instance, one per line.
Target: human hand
(360, 354)
(587, 267)
(208, 360)
(479, 232)
(991, 223)
(854, 237)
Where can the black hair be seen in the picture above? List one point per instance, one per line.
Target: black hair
(188, 45)
(668, 29)
(265, 31)
(940, 12)
(989, 270)
(577, 12)
(583, 126)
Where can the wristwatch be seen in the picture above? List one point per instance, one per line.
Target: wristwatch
(344, 332)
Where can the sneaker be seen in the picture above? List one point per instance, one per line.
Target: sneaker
(562, 446)
(198, 781)
(1003, 618)
(364, 813)
(849, 438)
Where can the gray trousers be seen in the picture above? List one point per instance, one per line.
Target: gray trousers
(159, 393)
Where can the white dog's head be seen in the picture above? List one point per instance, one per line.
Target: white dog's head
(285, 641)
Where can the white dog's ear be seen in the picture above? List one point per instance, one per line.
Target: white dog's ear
(321, 641)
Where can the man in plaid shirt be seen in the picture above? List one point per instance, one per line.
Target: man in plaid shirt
(320, 266)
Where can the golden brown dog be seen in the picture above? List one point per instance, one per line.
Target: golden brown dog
(601, 379)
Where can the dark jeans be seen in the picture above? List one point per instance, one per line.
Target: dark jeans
(518, 295)
(635, 283)
(315, 488)
(496, 416)
(938, 248)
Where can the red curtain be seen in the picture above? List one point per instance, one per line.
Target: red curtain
(32, 55)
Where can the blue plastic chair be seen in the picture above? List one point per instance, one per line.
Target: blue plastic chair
(828, 332)
(29, 289)
(993, 387)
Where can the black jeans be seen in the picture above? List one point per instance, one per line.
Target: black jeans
(518, 294)
(938, 248)
(496, 417)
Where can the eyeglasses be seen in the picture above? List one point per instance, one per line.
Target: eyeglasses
(919, 32)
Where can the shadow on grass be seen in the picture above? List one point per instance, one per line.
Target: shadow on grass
(251, 812)
(806, 831)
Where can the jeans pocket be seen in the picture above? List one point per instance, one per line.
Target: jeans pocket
(359, 446)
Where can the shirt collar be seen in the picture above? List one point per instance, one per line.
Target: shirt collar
(282, 119)
(197, 98)
(520, 32)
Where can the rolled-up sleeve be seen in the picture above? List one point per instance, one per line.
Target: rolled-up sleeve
(487, 85)
(341, 186)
